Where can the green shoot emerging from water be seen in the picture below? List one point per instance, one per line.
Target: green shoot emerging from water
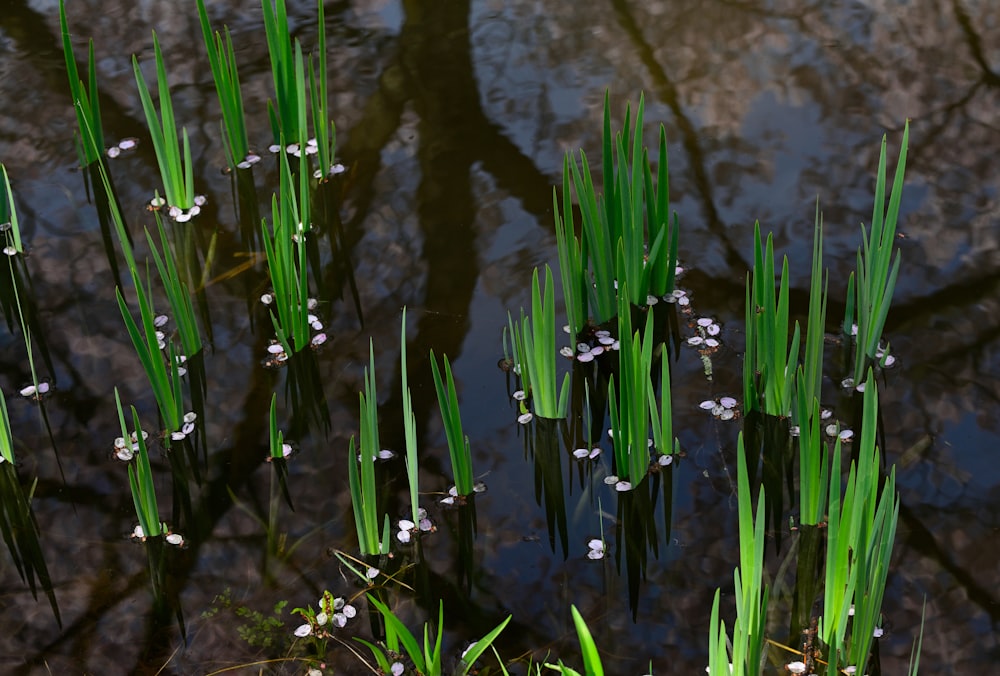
(409, 428)
(861, 530)
(875, 280)
(537, 351)
(177, 174)
(633, 214)
(591, 658)
(86, 101)
(427, 657)
(286, 260)
(8, 218)
(140, 477)
(458, 443)
(769, 366)
(222, 60)
(364, 494)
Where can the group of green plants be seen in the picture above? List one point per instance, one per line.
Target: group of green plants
(614, 267)
(623, 262)
(620, 261)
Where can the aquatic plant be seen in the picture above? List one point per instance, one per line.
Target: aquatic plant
(751, 593)
(364, 495)
(536, 351)
(811, 385)
(409, 427)
(176, 171)
(860, 534)
(288, 122)
(591, 657)
(869, 293)
(814, 467)
(9, 225)
(12, 237)
(140, 477)
(176, 289)
(324, 131)
(426, 657)
(629, 403)
(18, 525)
(632, 213)
(458, 444)
(86, 99)
(633, 404)
(164, 378)
(572, 259)
(663, 424)
(6, 440)
(285, 250)
(222, 60)
(769, 362)
(276, 438)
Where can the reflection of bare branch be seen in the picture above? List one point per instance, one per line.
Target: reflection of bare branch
(975, 43)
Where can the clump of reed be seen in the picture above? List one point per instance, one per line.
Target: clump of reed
(631, 214)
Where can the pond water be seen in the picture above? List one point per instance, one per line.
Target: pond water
(452, 120)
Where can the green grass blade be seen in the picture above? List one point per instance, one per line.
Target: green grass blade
(591, 658)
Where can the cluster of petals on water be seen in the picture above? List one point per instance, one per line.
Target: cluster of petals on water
(453, 497)
(125, 450)
(311, 148)
(333, 613)
(187, 426)
(276, 354)
(723, 408)
(171, 538)
(706, 336)
(407, 530)
(159, 323)
(126, 145)
(177, 213)
(248, 161)
(603, 343)
(36, 392)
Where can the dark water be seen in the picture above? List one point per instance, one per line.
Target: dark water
(453, 119)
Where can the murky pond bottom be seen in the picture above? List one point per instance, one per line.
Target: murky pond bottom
(452, 121)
